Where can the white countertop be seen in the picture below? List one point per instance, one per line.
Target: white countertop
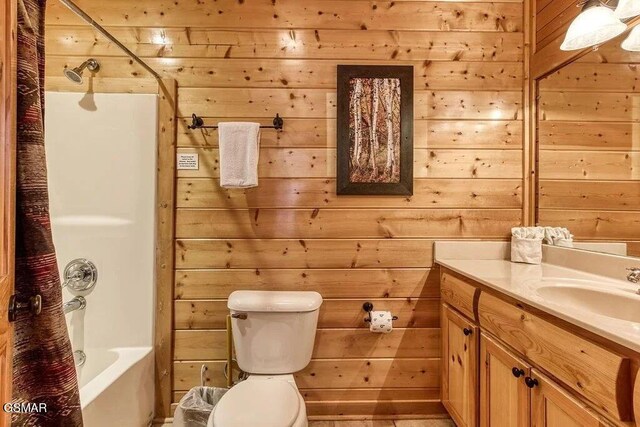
(523, 282)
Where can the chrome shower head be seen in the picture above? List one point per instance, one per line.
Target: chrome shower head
(75, 74)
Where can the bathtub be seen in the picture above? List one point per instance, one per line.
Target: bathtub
(116, 387)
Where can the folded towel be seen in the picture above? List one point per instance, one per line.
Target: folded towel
(526, 244)
(239, 152)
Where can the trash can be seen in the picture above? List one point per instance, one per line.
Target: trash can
(196, 406)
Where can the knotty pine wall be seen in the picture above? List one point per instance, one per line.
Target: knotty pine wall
(552, 20)
(247, 60)
(589, 142)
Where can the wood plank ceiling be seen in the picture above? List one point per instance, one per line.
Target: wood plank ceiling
(251, 59)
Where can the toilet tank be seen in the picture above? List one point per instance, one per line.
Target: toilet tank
(273, 332)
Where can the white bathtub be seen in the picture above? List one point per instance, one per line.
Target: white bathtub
(116, 387)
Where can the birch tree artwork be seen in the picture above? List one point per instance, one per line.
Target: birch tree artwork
(374, 130)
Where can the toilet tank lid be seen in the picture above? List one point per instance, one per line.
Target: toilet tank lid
(274, 301)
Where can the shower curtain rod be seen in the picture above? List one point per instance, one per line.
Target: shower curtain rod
(82, 14)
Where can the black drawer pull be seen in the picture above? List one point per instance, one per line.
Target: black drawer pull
(467, 331)
(517, 372)
(530, 382)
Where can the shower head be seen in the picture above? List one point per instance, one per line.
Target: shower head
(75, 74)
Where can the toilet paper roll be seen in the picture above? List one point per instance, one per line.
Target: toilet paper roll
(381, 322)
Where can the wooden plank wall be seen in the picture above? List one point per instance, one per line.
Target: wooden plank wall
(589, 146)
(551, 19)
(247, 60)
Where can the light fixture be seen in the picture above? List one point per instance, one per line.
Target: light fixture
(627, 9)
(632, 42)
(594, 25)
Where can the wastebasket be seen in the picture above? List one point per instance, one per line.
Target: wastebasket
(196, 406)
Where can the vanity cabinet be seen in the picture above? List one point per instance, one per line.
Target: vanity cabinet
(599, 375)
(513, 394)
(507, 354)
(459, 367)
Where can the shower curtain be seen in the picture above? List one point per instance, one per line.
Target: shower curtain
(43, 366)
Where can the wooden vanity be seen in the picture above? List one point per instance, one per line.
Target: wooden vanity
(506, 363)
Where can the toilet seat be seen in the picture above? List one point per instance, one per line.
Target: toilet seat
(266, 403)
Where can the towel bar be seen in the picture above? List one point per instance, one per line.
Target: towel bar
(198, 123)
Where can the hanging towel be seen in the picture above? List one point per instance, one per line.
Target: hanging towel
(239, 153)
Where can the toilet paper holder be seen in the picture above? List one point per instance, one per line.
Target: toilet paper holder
(368, 307)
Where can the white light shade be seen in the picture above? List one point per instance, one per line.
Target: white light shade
(627, 9)
(632, 42)
(593, 26)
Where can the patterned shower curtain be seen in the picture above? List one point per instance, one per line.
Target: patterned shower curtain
(43, 366)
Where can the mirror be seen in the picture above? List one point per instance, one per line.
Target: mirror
(588, 149)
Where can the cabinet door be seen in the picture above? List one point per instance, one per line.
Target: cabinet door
(459, 367)
(551, 406)
(504, 396)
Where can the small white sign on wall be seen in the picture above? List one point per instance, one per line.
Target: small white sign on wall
(188, 161)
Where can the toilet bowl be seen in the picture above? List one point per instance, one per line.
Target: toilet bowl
(261, 400)
(273, 337)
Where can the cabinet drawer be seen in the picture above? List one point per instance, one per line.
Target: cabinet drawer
(458, 294)
(601, 376)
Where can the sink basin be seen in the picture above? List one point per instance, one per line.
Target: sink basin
(616, 304)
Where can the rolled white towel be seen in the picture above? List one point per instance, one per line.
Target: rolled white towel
(528, 232)
(558, 236)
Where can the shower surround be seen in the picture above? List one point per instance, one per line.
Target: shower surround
(101, 152)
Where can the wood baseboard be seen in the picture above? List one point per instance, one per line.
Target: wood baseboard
(162, 422)
(167, 422)
(377, 417)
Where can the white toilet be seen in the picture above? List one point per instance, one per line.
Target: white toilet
(273, 334)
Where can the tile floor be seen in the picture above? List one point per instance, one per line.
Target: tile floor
(384, 423)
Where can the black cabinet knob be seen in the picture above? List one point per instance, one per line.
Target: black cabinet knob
(530, 382)
(467, 331)
(517, 372)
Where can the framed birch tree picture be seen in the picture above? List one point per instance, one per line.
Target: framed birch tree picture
(375, 130)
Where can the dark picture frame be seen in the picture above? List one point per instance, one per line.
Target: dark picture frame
(352, 177)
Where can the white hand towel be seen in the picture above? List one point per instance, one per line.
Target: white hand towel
(239, 154)
(526, 244)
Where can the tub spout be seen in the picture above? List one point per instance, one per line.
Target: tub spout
(78, 303)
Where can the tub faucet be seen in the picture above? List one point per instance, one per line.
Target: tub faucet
(78, 303)
(634, 276)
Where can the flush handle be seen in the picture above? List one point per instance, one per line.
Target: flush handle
(242, 316)
(517, 372)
